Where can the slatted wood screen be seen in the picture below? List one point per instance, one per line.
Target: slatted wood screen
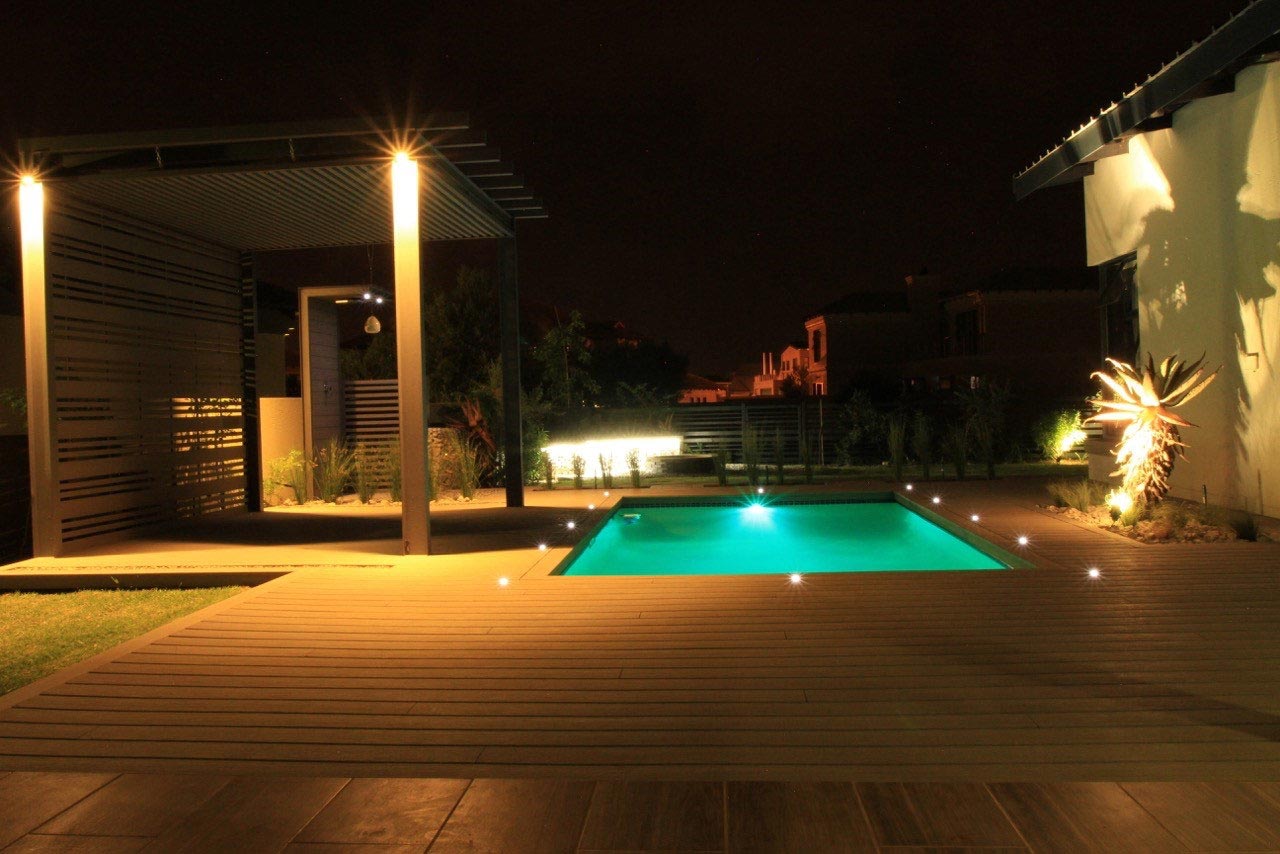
(145, 339)
(371, 411)
(710, 427)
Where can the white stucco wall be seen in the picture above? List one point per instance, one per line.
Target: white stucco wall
(1200, 205)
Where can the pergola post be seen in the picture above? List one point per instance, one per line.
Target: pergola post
(509, 332)
(46, 537)
(415, 522)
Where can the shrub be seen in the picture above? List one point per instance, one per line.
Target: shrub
(579, 469)
(370, 470)
(922, 442)
(466, 458)
(897, 439)
(751, 454)
(1244, 525)
(395, 474)
(1081, 494)
(334, 465)
(633, 466)
(862, 429)
(1055, 433)
(720, 461)
(806, 458)
(289, 470)
(548, 471)
(779, 449)
(958, 448)
(985, 409)
(606, 470)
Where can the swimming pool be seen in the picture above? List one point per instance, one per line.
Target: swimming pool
(759, 535)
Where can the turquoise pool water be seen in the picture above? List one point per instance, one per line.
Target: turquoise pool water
(750, 538)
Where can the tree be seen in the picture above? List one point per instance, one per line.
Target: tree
(562, 359)
(462, 334)
(647, 372)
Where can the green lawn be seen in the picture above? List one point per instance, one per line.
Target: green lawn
(41, 633)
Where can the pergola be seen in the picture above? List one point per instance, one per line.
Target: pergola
(139, 302)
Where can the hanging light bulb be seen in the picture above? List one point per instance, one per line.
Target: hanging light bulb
(373, 326)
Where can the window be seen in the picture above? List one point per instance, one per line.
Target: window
(818, 389)
(817, 345)
(968, 332)
(1118, 296)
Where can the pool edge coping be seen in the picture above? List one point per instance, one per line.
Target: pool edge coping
(969, 536)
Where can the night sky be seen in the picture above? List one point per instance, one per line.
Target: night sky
(713, 174)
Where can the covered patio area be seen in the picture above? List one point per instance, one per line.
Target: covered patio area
(139, 284)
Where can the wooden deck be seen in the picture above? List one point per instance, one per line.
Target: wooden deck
(1165, 668)
(63, 811)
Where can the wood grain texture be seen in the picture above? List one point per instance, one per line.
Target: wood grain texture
(516, 815)
(251, 814)
(384, 811)
(936, 815)
(143, 805)
(788, 817)
(643, 816)
(28, 800)
(1082, 817)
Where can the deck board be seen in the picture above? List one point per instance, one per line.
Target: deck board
(1167, 667)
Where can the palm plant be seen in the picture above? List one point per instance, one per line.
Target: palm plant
(1144, 402)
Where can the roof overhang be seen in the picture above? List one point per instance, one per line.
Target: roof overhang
(289, 186)
(1207, 68)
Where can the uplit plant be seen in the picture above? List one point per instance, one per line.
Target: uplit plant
(606, 470)
(395, 474)
(1144, 402)
(548, 471)
(334, 465)
(289, 470)
(633, 466)
(1058, 432)
(466, 457)
(579, 467)
(370, 469)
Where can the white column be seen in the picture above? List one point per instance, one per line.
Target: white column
(46, 533)
(415, 522)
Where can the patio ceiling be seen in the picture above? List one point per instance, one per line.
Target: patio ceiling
(289, 186)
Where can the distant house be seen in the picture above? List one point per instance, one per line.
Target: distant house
(868, 333)
(1035, 329)
(789, 373)
(1182, 222)
(699, 389)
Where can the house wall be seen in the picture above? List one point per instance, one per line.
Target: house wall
(1199, 203)
(326, 377)
(146, 354)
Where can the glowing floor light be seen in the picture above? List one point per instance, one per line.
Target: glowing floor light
(1022, 541)
(796, 578)
(974, 518)
(542, 547)
(1094, 572)
(503, 581)
(937, 499)
(571, 524)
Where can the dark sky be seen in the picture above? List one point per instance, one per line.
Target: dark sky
(713, 171)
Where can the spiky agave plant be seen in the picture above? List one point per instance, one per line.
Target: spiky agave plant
(1144, 402)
